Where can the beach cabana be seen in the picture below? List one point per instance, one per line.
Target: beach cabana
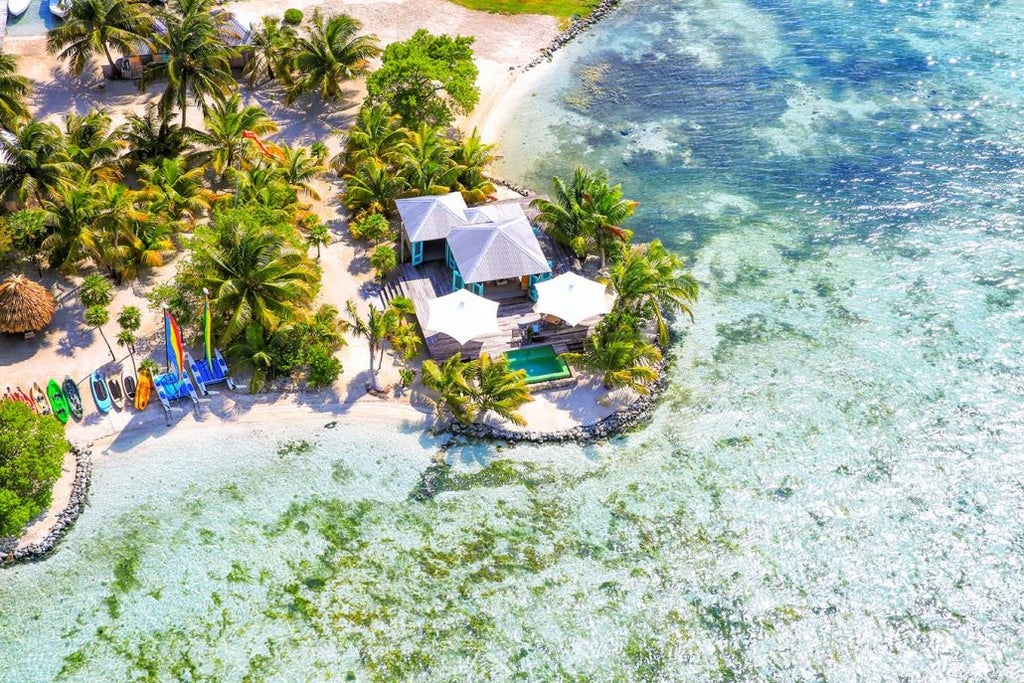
(571, 297)
(496, 252)
(25, 306)
(426, 222)
(462, 316)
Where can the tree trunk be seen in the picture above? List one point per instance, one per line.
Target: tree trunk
(112, 355)
(110, 61)
(373, 371)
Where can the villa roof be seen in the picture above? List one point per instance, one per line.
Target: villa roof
(489, 213)
(233, 32)
(506, 248)
(431, 217)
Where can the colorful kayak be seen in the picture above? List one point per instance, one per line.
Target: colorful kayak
(128, 382)
(74, 398)
(39, 396)
(100, 393)
(26, 398)
(116, 392)
(58, 401)
(17, 396)
(143, 391)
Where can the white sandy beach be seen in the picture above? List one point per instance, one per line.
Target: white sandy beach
(67, 346)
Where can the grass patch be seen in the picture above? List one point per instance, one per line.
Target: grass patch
(554, 8)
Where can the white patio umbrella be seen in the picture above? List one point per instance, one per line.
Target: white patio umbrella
(462, 315)
(571, 297)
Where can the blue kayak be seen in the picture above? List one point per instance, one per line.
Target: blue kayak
(100, 394)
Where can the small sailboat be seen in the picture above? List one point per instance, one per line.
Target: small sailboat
(60, 8)
(70, 389)
(18, 7)
(58, 401)
(39, 396)
(116, 392)
(143, 391)
(100, 393)
(130, 387)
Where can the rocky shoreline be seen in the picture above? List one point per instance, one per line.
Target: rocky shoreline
(577, 27)
(65, 519)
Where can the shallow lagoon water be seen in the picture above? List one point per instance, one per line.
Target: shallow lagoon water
(832, 489)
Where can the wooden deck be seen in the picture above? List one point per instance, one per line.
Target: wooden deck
(515, 314)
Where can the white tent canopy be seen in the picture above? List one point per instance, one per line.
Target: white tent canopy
(571, 297)
(431, 217)
(504, 249)
(462, 315)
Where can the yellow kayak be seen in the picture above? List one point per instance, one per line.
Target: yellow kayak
(143, 390)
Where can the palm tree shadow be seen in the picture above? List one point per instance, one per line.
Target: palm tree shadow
(309, 120)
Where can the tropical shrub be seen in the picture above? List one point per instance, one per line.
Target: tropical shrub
(468, 391)
(383, 260)
(324, 367)
(293, 16)
(32, 449)
(619, 354)
(371, 227)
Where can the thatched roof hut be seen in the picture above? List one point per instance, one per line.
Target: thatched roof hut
(25, 306)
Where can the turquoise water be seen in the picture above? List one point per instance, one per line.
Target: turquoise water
(539, 362)
(832, 489)
(36, 20)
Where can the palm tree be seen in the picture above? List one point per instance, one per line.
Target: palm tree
(329, 54)
(650, 280)
(253, 351)
(496, 388)
(37, 163)
(71, 218)
(94, 145)
(120, 249)
(196, 57)
(451, 390)
(14, 90)
(585, 215)
(155, 136)
(94, 26)
(377, 327)
(377, 134)
(472, 156)
(173, 190)
(426, 164)
(300, 166)
(272, 47)
(265, 186)
(226, 120)
(618, 352)
(255, 278)
(98, 316)
(129, 320)
(373, 188)
(318, 236)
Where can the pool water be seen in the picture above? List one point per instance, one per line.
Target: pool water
(36, 20)
(541, 363)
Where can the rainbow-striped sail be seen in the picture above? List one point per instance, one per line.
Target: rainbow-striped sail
(175, 349)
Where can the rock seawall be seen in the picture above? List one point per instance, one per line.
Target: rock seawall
(65, 519)
(577, 27)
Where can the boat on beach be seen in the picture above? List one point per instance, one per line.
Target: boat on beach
(130, 387)
(18, 7)
(116, 392)
(58, 401)
(70, 389)
(100, 393)
(26, 398)
(39, 396)
(143, 390)
(60, 8)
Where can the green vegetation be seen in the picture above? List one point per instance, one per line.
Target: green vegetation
(96, 26)
(556, 8)
(469, 391)
(426, 79)
(293, 16)
(32, 448)
(14, 91)
(389, 328)
(327, 55)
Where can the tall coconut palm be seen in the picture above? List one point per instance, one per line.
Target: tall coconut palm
(94, 145)
(98, 316)
(650, 280)
(144, 243)
(373, 188)
(173, 190)
(255, 278)
(14, 90)
(272, 47)
(618, 353)
(377, 327)
(585, 214)
(472, 156)
(252, 351)
(226, 120)
(377, 134)
(497, 388)
(447, 382)
(119, 249)
(328, 55)
(196, 58)
(37, 162)
(71, 218)
(426, 164)
(153, 136)
(299, 166)
(94, 26)
(264, 186)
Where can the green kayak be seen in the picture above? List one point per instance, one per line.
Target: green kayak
(58, 401)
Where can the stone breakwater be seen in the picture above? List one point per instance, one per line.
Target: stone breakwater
(630, 417)
(65, 519)
(578, 26)
(518, 189)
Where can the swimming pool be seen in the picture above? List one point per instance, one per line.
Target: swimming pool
(36, 20)
(541, 363)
